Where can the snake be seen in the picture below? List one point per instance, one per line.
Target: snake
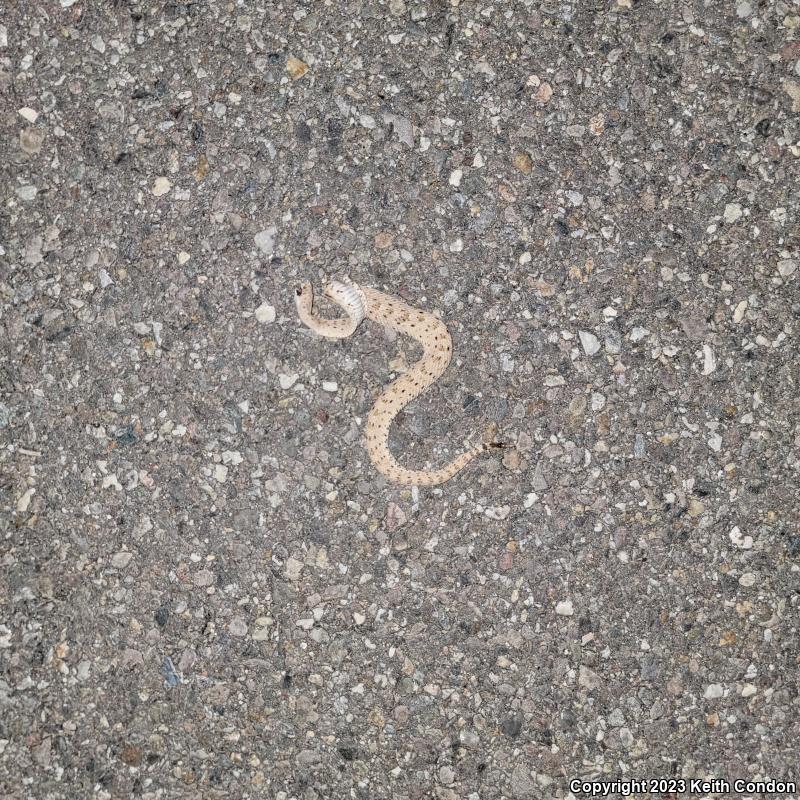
(360, 303)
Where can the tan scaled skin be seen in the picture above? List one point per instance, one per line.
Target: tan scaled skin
(430, 332)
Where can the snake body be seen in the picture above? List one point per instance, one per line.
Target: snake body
(359, 303)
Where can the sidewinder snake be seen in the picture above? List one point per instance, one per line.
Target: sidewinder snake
(359, 303)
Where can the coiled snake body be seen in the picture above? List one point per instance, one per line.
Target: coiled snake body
(360, 303)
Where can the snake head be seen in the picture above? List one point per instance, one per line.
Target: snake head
(303, 297)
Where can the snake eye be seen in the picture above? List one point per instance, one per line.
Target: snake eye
(298, 290)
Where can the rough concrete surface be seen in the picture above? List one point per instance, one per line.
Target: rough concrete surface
(206, 588)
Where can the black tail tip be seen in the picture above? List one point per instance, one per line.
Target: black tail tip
(493, 445)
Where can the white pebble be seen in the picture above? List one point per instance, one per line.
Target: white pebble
(112, 482)
(261, 629)
(588, 678)
(590, 343)
(713, 691)
(497, 512)
(293, 568)
(265, 240)
(27, 192)
(565, 608)
(455, 177)
(743, 542)
(220, 473)
(161, 186)
(25, 500)
(786, 267)
(121, 560)
(738, 313)
(732, 213)
(747, 580)
(709, 360)
(29, 114)
(265, 313)
(450, 297)
(287, 381)
(330, 386)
